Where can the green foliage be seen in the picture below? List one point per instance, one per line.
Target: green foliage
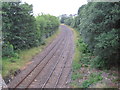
(84, 52)
(82, 46)
(47, 25)
(68, 21)
(63, 18)
(85, 59)
(21, 29)
(93, 78)
(75, 22)
(19, 25)
(106, 49)
(98, 62)
(7, 50)
(98, 24)
(76, 66)
(76, 76)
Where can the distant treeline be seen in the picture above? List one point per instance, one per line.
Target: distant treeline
(99, 27)
(21, 30)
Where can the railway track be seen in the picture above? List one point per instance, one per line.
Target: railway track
(42, 83)
(48, 68)
(60, 67)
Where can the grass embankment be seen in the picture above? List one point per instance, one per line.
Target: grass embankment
(76, 63)
(10, 65)
(85, 76)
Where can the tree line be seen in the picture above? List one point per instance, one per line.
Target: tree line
(99, 27)
(22, 30)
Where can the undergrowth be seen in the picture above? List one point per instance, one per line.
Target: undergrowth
(93, 78)
(82, 58)
(20, 60)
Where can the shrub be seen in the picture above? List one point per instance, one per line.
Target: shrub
(7, 50)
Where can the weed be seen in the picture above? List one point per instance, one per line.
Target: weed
(76, 76)
(93, 78)
(76, 66)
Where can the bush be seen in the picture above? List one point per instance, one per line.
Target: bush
(83, 47)
(46, 25)
(98, 62)
(7, 50)
(22, 30)
(93, 78)
(98, 24)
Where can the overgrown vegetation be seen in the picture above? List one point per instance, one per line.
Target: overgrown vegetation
(24, 57)
(83, 76)
(97, 45)
(21, 30)
(93, 78)
(98, 24)
(23, 33)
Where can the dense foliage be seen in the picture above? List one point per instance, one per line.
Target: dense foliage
(21, 30)
(47, 24)
(99, 26)
(63, 18)
(67, 19)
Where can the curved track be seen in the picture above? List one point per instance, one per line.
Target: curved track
(51, 68)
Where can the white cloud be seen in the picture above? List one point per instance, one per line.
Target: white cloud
(56, 7)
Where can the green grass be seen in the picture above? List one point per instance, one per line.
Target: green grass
(76, 65)
(77, 55)
(10, 65)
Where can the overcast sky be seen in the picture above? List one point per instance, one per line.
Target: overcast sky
(56, 7)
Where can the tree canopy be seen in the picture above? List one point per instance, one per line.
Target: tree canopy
(21, 30)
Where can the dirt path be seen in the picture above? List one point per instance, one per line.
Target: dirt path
(51, 68)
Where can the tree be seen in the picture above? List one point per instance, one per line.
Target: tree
(21, 30)
(47, 24)
(19, 25)
(98, 24)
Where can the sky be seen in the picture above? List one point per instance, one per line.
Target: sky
(55, 7)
